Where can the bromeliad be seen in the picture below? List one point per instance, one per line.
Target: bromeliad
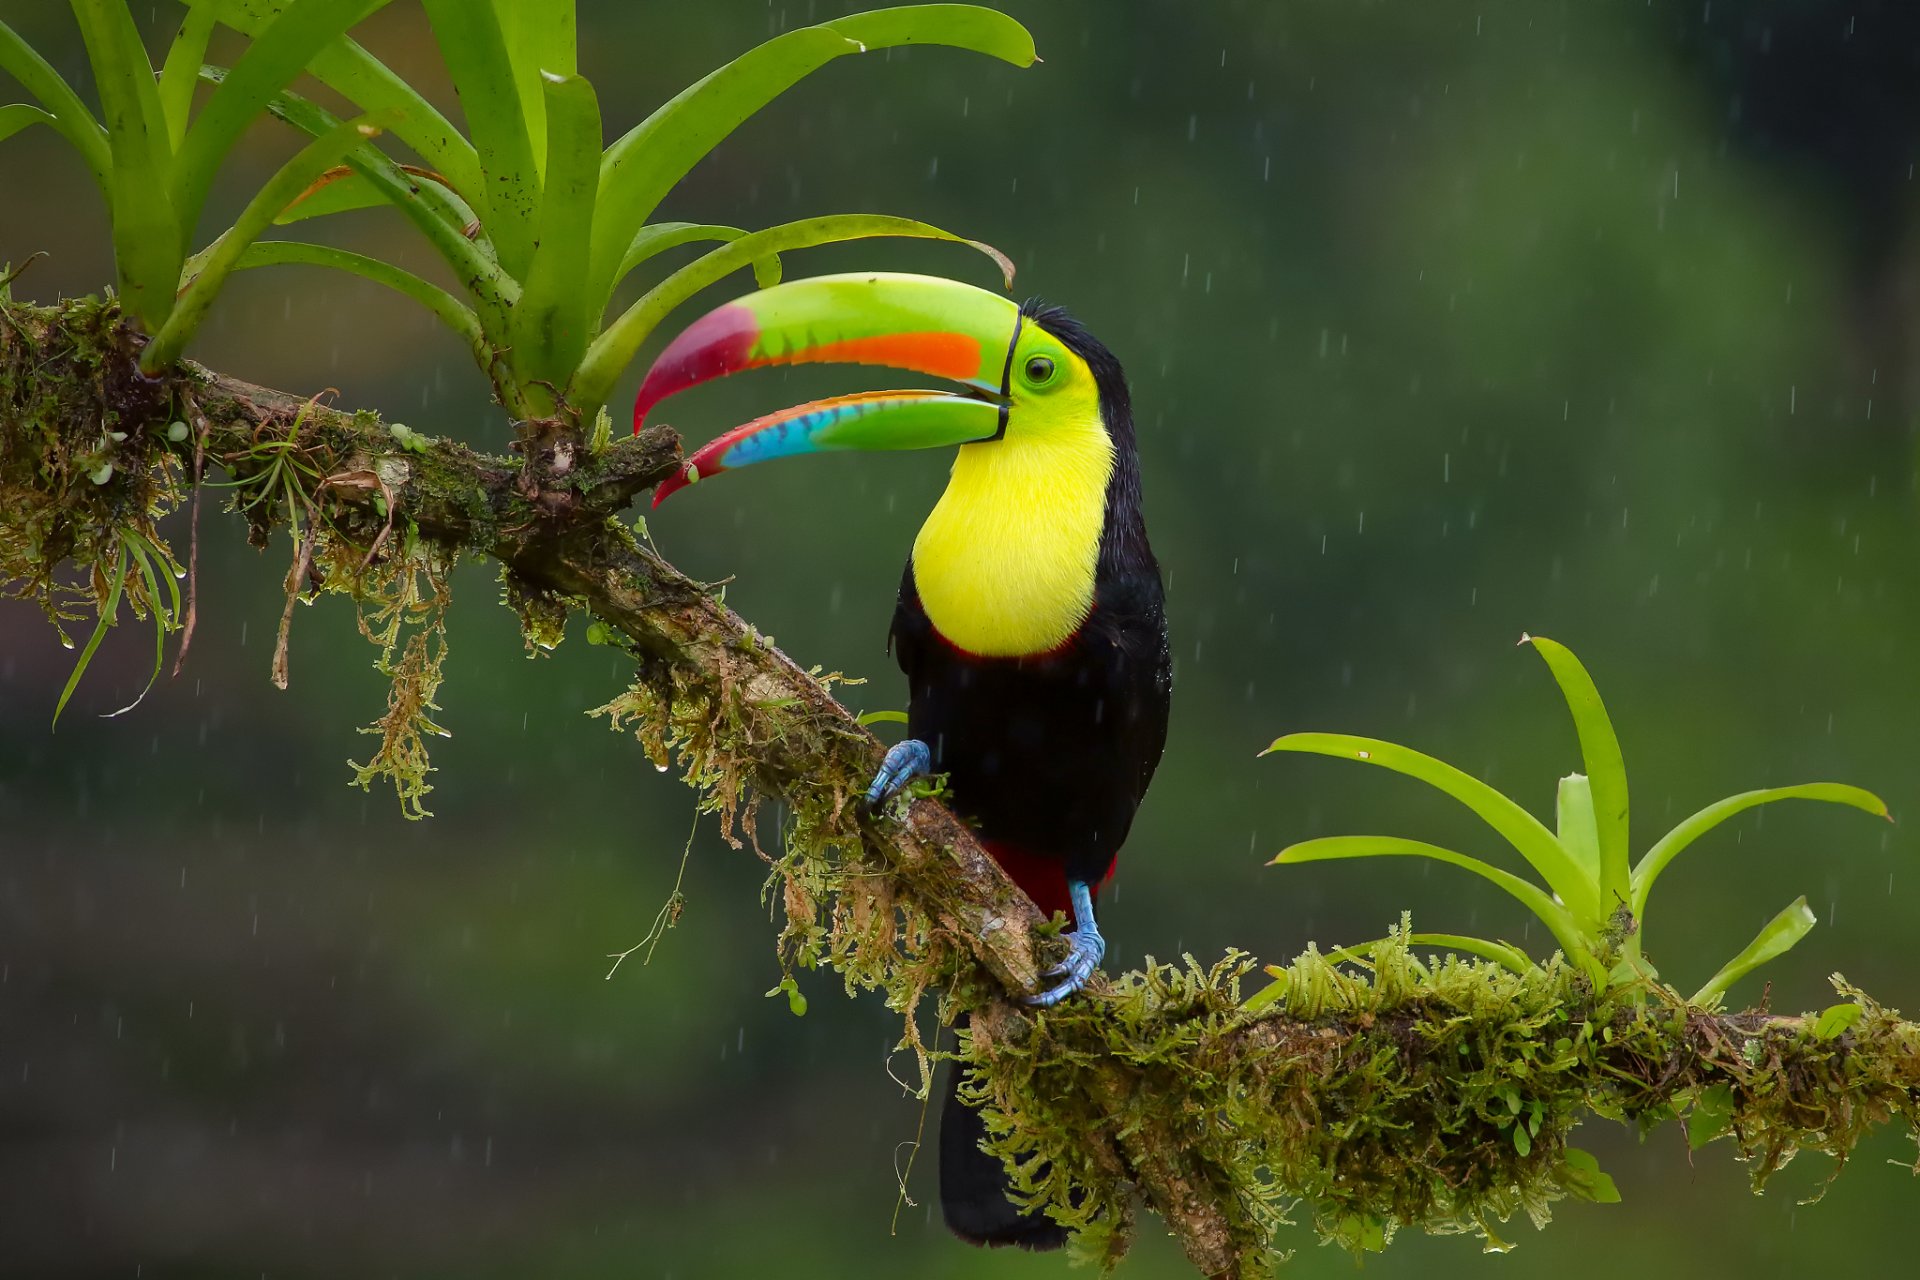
(1030, 622)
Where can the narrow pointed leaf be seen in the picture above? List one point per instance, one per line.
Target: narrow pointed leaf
(70, 116)
(159, 614)
(540, 39)
(148, 243)
(552, 325)
(1778, 938)
(369, 84)
(1504, 954)
(341, 190)
(109, 614)
(19, 115)
(475, 51)
(1669, 846)
(436, 210)
(181, 73)
(615, 348)
(658, 237)
(1272, 993)
(1574, 824)
(651, 159)
(1521, 829)
(1552, 914)
(280, 52)
(451, 311)
(223, 256)
(1606, 768)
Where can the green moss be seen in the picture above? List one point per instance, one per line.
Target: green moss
(842, 906)
(402, 602)
(94, 458)
(91, 465)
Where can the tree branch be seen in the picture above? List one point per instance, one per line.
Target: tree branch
(1437, 1093)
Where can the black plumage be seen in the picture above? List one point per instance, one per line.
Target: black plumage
(1048, 755)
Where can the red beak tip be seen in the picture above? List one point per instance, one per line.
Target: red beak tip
(670, 486)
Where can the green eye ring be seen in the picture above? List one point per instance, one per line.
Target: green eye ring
(1038, 370)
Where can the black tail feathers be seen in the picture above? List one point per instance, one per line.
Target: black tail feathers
(973, 1185)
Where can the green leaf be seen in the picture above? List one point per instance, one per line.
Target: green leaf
(341, 190)
(1669, 846)
(279, 52)
(1581, 1175)
(615, 348)
(369, 84)
(475, 51)
(19, 115)
(796, 1002)
(109, 613)
(1522, 830)
(148, 242)
(882, 717)
(1711, 1116)
(1606, 768)
(436, 210)
(1365, 1233)
(182, 71)
(1522, 1140)
(540, 36)
(1574, 825)
(1552, 914)
(162, 616)
(651, 158)
(1837, 1020)
(223, 256)
(70, 116)
(658, 237)
(553, 323)
(1776, 939)
(1269, 994)
(450, 310)
(1501, 953)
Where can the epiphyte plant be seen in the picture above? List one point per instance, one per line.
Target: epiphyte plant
(154, 157)
(538, 224)
(1595, 900)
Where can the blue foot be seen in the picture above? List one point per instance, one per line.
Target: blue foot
(1087, 951)
(905, 761)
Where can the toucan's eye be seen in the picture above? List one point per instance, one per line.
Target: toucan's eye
(1039, 370)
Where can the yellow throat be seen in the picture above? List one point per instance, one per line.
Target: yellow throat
(1005, 563)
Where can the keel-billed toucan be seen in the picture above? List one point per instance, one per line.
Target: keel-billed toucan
(1030, 622)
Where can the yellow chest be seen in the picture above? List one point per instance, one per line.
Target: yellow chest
(1005, 563)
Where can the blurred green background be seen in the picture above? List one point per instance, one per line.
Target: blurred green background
(1445, 321)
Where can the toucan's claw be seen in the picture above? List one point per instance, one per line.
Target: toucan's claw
(904, 762)
(1083, 956)
(1088, 950)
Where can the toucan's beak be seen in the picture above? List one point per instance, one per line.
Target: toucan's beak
(932, 326)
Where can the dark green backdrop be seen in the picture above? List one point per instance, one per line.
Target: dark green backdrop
(1445, 321)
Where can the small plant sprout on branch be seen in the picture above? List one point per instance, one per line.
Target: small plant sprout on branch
(1595, 900)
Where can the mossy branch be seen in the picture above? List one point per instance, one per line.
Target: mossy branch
(1431, 1093)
